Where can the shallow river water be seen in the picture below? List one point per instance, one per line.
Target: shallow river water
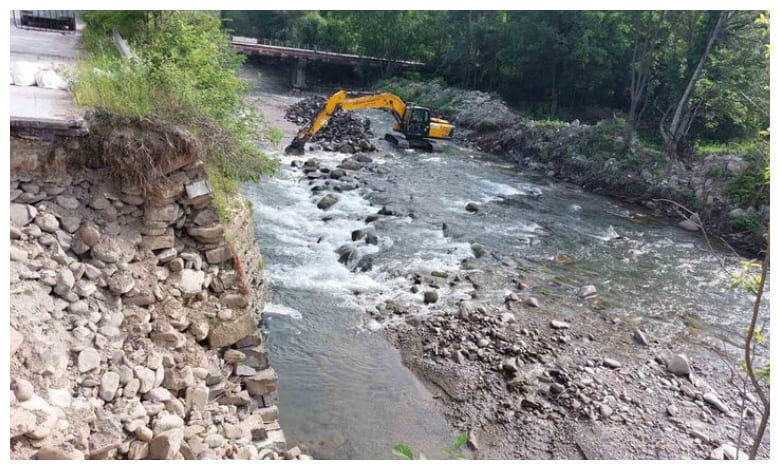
(343, 390)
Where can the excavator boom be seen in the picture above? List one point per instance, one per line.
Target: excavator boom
(342, 100)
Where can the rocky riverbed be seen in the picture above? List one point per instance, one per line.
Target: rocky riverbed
(527, 382)
(566, 326)
(133, 319)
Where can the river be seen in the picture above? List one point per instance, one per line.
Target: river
(344, 392)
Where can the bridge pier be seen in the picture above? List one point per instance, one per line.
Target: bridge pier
(298, 74)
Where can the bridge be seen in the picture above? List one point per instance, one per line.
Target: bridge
(302, 55)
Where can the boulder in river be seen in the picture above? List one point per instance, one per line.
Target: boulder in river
(327, 201)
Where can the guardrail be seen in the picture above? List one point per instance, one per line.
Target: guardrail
(306, 48)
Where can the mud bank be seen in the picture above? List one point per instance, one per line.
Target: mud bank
(134, 307)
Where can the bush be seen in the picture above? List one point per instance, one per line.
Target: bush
(750, 188)
(749, 222)
(187, 75)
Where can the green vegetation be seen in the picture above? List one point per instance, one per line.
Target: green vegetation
(749, 222)
(698, 75)
(454, 452)
(751, 187)
(187, 74)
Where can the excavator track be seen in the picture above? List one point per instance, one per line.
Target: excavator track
(402, 142)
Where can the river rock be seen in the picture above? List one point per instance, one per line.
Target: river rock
(166, 445)
(612, 363)
(587, 292)
(17, 254)
(559, 325)
(109, 384)
(472, 207)
(678, 364)
(65, 282)
(730, 452)
(350, 164)
(327, 201)
(478, 250)
(121, 282)
(190, 282)
(22, 214)
(640, 337)
(430, 297)
(219, 255)
(211, 234)
(227, 333)
(23, 390)
(107, 250)
(716, 403)
(88, 360)
(67, 202)
(47, 222)
(262, 383)
(689, 225)
(89, 234)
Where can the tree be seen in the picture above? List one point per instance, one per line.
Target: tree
(648, 31)
(683, 115)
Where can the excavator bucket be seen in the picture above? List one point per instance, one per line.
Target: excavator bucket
(296, 147)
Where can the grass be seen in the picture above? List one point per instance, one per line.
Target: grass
(743, 149)
(274, 134)
(188, 76)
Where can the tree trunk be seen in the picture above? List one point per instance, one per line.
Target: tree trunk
(554, 91)
(675, 132)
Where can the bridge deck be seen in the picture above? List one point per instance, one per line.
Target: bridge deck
(250, 47)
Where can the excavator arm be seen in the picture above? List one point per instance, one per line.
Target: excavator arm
(341, 100)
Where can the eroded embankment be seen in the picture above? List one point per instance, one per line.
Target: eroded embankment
(134, 308)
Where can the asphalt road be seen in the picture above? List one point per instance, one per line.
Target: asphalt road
(50, 49)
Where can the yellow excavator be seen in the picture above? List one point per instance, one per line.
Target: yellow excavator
(414, 124)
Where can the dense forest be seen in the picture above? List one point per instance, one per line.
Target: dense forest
(676, 76)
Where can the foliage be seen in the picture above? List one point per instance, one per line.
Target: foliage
(747, 278)
(187, 74)
(751, 187)
(564, 64)
(454, 451)
(749, 222)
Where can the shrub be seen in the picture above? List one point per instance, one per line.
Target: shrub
(187, 75)
(749, 222)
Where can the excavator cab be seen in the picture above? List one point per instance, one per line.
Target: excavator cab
(417, 121)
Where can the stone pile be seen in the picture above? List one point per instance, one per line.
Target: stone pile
(510, 366)
(134, 324)
(343, 133)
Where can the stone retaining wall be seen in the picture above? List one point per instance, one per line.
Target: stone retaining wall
(134, 317)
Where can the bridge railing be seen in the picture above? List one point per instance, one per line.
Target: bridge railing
(315, 48)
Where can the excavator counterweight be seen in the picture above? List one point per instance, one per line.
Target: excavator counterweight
(415, 123)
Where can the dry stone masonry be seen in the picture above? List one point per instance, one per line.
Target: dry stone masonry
(133, 319)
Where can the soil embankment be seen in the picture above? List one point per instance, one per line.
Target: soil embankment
(134, 307)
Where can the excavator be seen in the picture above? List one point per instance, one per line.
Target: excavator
(414, 125)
